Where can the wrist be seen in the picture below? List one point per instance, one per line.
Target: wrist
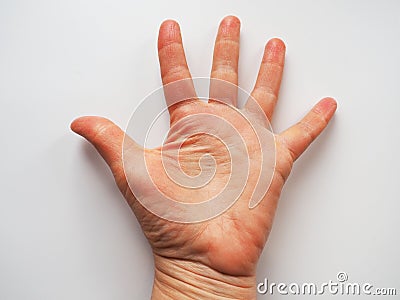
(181, 279)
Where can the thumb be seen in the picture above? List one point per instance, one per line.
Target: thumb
(298, 137)
(106, 137)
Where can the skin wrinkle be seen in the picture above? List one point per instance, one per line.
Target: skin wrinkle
(176, 70)
(175, 266)
(223, 69)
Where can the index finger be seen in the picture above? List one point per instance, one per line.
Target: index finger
(269, 77)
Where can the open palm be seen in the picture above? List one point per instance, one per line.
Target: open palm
(231, 242)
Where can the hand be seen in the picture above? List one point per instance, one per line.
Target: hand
(217, 257)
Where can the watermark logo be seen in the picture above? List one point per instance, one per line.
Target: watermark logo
(219, 146)
(340, 286)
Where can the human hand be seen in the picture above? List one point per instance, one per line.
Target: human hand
(216, 258)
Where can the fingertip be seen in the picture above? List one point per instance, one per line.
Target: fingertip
(229, 27)
(76, 125)
(168, 23)
(328, 105)
(84, 125)
(275, 51)
(230, 21)
(276, 43)
(169, 32)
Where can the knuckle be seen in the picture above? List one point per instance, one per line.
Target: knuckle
(265, 90)
(175, 73)
(307, 130)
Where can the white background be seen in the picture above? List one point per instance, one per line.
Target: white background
(65, 231)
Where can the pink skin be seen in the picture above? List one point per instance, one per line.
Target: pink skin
(222, 252)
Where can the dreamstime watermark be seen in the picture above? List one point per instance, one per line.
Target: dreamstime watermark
(233, 148)
(340, 286)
